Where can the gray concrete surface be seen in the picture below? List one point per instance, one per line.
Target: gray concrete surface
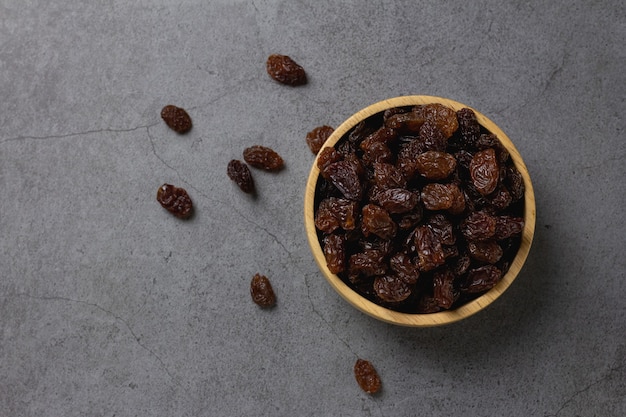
(111, 307)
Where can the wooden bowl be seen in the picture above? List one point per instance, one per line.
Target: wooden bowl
(443, 317)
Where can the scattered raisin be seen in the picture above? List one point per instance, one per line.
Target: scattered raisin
(175, 200)
(262, 291)
(263, 157)
(285, 70)
(241, 175)
(366, 376)
(176, 118)
(317, 137)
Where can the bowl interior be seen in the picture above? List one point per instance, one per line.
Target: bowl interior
(432, 319)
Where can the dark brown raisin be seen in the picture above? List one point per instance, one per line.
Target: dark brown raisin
(435, 165)
(366, 376)
(437, 196)
(263, 157)
(485, 171)
(317, 137)
(285, 70)
(334, 213)
(514, 182)
(369, 263)
(376, 220)
(468, 127)
(326, 157)
(397, 200)
(391, 289)
(261, 291)
(443, 290)
(334, 247)
(241, 175)
(388, 176)
(482, 279)
(442, 228)
(490, 140)
(487, 251)
(175, 200)
(176, 118)
(344, 176)
(404, 267)
(432, 138)
(429, 250)
(508, 226)
(479, 226)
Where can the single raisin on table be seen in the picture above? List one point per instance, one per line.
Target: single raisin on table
(261, 291)
(285, 70)
(176, 118)
(175, 200)
(263, 157)
(241, 175)
(317, 137)
(366, 376)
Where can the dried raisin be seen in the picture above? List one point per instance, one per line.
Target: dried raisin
(261, 291)
(317, 137)
(366, 376)
(176, 118)
(285, 70)
(263, 157)
(241, 175)
(175, 200)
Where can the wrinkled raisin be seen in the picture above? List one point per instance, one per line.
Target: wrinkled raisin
(485, 251)
(335, 252)
(261, 291)
(391, 289)
(176, 118)
(508, 226)
(429, 250)
(437, 196)
(263, 157)
(241, 175)
(334, 213)
(482, 279)
(344, 176)
(285, 70)
(317, 137)
(468, 127)
(369, 263)
(175, 200)
(435, 165)
(443, 289)
(485, 171)
(376, 220)
(397, 200)
(366, 376)
(479, 226)
(404, 267)
(514, 183)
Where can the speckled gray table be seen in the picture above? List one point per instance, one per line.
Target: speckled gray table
(111, 307)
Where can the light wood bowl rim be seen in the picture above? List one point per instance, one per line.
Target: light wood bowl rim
(443, 317)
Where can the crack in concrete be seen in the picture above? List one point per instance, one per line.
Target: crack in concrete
(72, 134)
(585, 389)
(109, 313)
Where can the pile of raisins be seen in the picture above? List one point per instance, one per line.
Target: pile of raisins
(419, 209)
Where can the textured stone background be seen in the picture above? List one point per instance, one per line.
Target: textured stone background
(111, 307)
